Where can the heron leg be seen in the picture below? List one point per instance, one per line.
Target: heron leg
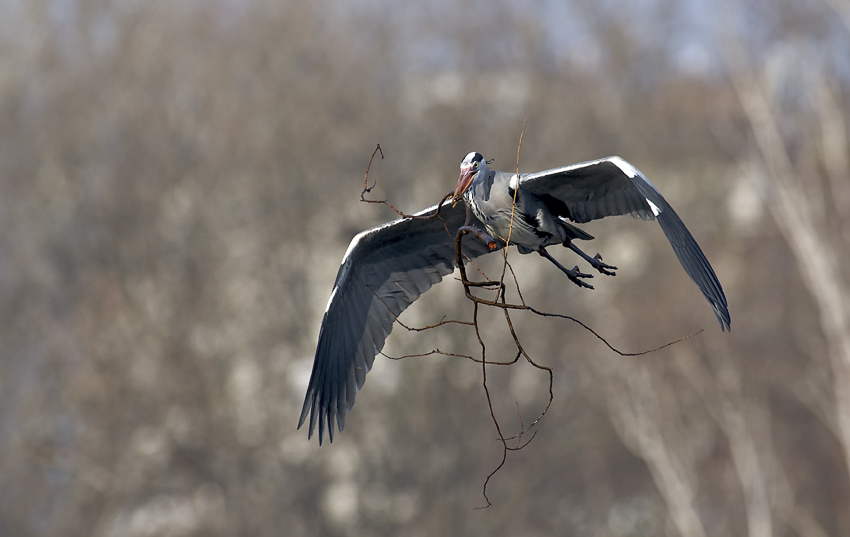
(595, 261)
(573, 274)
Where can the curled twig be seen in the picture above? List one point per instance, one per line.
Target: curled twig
(368, 189)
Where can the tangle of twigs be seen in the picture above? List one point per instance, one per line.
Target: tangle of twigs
(499, 301)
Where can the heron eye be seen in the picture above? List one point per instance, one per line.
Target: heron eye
(475, 165)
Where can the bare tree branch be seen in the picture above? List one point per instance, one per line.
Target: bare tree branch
(790, 201)
(636, 414)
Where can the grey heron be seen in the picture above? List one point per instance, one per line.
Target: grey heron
(388, 267)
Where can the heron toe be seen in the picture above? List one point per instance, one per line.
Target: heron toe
(604, 268)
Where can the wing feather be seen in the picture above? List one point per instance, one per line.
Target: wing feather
(361, 367)
(419, 278)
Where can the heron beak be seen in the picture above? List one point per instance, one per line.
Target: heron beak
(464, 181)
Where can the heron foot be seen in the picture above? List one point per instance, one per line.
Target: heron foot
(573, 274)
(595, 261)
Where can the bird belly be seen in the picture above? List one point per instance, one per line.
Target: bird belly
(529, 232)
(522, 231)
(525, 237)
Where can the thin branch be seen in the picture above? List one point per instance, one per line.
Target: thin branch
(367, 189)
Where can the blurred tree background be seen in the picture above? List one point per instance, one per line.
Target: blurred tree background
(179, 181)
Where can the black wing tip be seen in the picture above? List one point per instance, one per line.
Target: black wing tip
(315, 414)
(724, 320)
(723, 317)
(693, 260)
(330, 421)
(717, 300)
(305, 409)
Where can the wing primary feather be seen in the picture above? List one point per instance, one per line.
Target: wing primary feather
(331, 400)
(323, 413)
(618, 200)
(360, 370)
(589, 210)
(694, 262)
(409, 287)
(419, 278)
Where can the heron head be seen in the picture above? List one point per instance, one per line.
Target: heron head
(470, 166)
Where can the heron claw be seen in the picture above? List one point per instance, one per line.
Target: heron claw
(596, 262)
(573, 274)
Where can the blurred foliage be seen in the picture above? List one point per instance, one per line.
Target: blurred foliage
(179, 180)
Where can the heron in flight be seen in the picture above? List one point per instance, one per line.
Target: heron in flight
(388, 267)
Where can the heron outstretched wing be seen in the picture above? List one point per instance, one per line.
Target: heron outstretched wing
(611, 186)
(384, 270)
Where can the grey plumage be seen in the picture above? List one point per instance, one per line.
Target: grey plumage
(387, 268)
